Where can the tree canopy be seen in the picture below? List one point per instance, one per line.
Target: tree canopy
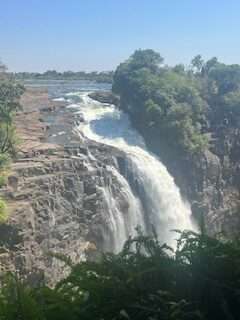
(176, 103)
(10, 93)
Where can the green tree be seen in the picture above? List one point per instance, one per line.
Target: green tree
(165, 102)
(197, 63)
(179, 68)
(10, 94)
(145, 59)
(211, 63)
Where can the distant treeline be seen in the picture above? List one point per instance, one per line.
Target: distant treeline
(104, 76)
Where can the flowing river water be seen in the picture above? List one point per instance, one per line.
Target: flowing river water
(153, 197)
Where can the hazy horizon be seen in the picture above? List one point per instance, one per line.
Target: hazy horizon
(97, 35)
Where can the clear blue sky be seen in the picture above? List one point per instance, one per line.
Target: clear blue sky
(36, 35)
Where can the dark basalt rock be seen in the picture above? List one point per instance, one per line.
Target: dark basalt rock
(105, 97)
(210, 180)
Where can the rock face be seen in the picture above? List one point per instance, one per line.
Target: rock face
(104, 97)
(57, 206)
(54, 195)
(210, 181)
(217, 175)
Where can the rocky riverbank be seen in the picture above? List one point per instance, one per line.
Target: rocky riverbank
(54, 192)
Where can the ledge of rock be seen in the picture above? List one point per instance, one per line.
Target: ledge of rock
(54, 193)
(105, 97)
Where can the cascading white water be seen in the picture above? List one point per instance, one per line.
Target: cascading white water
(154, 198)
(122, 220)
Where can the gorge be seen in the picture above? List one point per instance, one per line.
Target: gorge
(84, 179)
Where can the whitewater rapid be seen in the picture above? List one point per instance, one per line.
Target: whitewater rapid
(155, 200)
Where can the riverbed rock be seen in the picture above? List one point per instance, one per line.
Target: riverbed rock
(104, 97)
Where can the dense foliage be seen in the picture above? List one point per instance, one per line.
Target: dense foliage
(178, 105)
(106, 77)
(144, 281)
(10, 93)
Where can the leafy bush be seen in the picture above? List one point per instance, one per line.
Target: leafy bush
(10, 93)
(3, 180)
(4, 160)
(146, 280)
(3, 211)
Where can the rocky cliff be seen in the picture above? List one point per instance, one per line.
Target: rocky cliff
(54, 193)
(210, 180)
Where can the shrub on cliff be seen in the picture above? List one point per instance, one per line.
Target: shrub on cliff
(3, 211)
(4, 162)
(10, 93)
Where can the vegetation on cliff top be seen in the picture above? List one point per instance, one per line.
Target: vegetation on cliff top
(177, 105)
(144, 281)
(10, 93)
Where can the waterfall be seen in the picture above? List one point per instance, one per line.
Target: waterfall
(164, 208)
(153, 197)
(124, 212)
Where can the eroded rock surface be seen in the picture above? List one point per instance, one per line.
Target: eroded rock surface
(210, 181)
(54, 193)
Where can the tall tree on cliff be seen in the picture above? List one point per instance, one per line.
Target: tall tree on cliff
(10, 93)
